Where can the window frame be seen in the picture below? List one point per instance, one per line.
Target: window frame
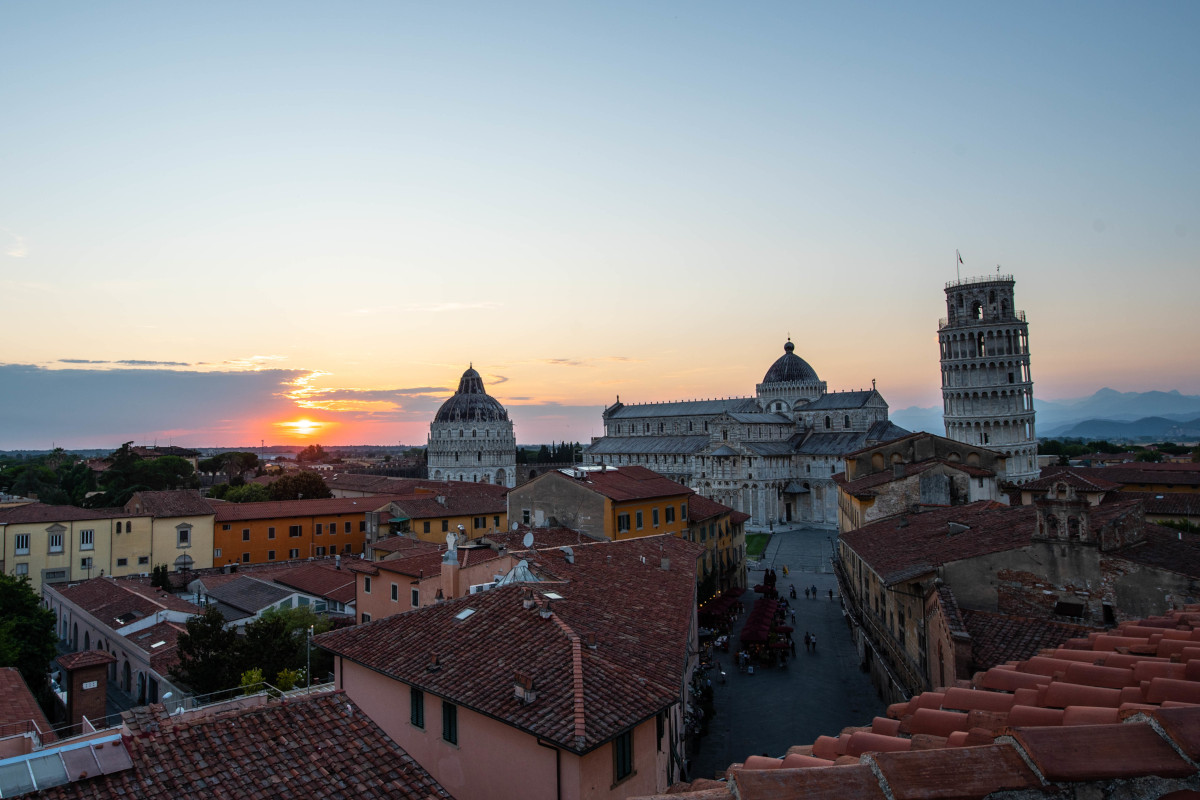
(17, 539)
(449, 722)
(416, 707)
(623, 757)
(87, 539)
(623, 522)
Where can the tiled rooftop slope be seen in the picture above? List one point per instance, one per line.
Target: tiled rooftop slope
(1115, 712)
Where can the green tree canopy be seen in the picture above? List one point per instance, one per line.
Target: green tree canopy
(208, 654)
(302, 485)
(312, 453)
(26, 631)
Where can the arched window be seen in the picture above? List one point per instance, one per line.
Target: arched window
(118, 527)
(847, 423)
(474, 434)
(828, 423)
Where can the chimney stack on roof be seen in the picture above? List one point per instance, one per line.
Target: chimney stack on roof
(523, 687)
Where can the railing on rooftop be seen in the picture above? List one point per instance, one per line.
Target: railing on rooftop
(997, 278)
(254, 690)
(1018, 316)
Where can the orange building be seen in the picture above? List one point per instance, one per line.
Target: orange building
(278, 530)
(603, 502)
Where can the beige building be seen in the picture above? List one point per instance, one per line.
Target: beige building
(56, 544)
(181, 528)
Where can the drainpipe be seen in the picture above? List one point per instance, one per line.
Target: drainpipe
(557, 768)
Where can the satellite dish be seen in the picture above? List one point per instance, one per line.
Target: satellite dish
(451, 540)
(515, 525)
(528, 540)
(569, 553)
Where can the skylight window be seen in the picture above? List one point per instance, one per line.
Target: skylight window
(466, 612)
(157, 644)
(553, 596)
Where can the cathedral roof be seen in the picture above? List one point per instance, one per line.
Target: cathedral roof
(471, 403)
(790, 367)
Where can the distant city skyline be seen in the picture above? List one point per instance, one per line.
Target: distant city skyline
(220, 222)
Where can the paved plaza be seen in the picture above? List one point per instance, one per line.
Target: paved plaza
(819, 693)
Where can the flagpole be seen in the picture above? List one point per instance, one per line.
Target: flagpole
(957, 265)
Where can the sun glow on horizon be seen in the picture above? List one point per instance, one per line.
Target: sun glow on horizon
(302, 427)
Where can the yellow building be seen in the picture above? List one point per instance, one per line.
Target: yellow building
(181, 528)
(722, 531)
(56, 544)
(603, 502)
(430, 517)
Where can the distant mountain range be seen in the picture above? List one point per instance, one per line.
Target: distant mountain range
(1107, 414)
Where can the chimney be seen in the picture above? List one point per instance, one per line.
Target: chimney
(527, 600)
(441, 500)
(546, 610)
(450, 573)
(589, 639)
(433, 665)
(523, 687)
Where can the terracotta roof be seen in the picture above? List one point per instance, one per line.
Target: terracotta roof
(865, 486)
(382, 484)
(428, 563)
(1166, 549)
(177, 503)
(108, 599)
(701, 508)
(160, 642)
(1182, 475)
(996, 638)
(321, 746)
(1073, 477)
(85, 658)
(1178, 504)
(893, 548)
(426, 506)
(403, 544)
(38, 512)
(542, 537)
(585, 696)
(18, 706)
(248, 593)
(627, 483)
(314, 507)
(1106, 711)
(323, 580)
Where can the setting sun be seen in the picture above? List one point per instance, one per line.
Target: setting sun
(301, 427)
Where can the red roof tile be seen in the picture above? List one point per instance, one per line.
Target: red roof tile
(85, 658)
(701, 508)
(634, 671)
(108, 598)
(966, 772)
(18, 706)
(314, 507)
(996, 638)
(39, 512)
(321, 746)
(175, 503)
(1101, 752)
(624, 483)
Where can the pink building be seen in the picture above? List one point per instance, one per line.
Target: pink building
(573, 685)
(422, 577)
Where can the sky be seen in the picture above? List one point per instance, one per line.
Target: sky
(227, 223)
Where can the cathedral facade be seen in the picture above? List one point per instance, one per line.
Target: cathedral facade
(471, 437)
(771, 456)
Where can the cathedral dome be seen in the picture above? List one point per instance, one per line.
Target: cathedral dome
(471, 403)
(790, 367)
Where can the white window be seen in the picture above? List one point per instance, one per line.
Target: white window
(185, 536)
(22, 569)
(56, 543)
(21, 540)
(85, 563)
(87, 540)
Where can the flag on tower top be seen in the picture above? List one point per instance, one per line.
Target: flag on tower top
(959, 256)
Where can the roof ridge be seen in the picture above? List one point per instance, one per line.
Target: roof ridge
(576, 677)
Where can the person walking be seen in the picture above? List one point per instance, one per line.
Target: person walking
(807, 640)
(814, 643)
(793, 618)
(805, 592)
(831, 595)
(814, 590)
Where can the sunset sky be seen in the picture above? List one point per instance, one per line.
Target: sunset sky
(220, 218)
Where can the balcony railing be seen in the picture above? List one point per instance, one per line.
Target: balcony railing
(904, 672)
(997, 278)
(1016, 316)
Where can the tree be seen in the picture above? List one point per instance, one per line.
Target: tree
(302, 485)
(312, 453)
(248, 493)
(1153, 456)
(209, 657)
(278, 641)
(27, 639)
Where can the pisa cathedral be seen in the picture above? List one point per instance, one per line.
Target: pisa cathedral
(770, 456)
(471, 437)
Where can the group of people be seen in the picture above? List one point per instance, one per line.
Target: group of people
(810, 592)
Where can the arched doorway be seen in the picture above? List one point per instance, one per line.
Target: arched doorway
(75, 636)
(141, 684)
(126, 680)
(87, 640)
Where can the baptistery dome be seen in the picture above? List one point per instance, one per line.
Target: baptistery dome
(790, 367)
(471, 403)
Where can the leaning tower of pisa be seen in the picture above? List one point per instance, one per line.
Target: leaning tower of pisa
(987, 390)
